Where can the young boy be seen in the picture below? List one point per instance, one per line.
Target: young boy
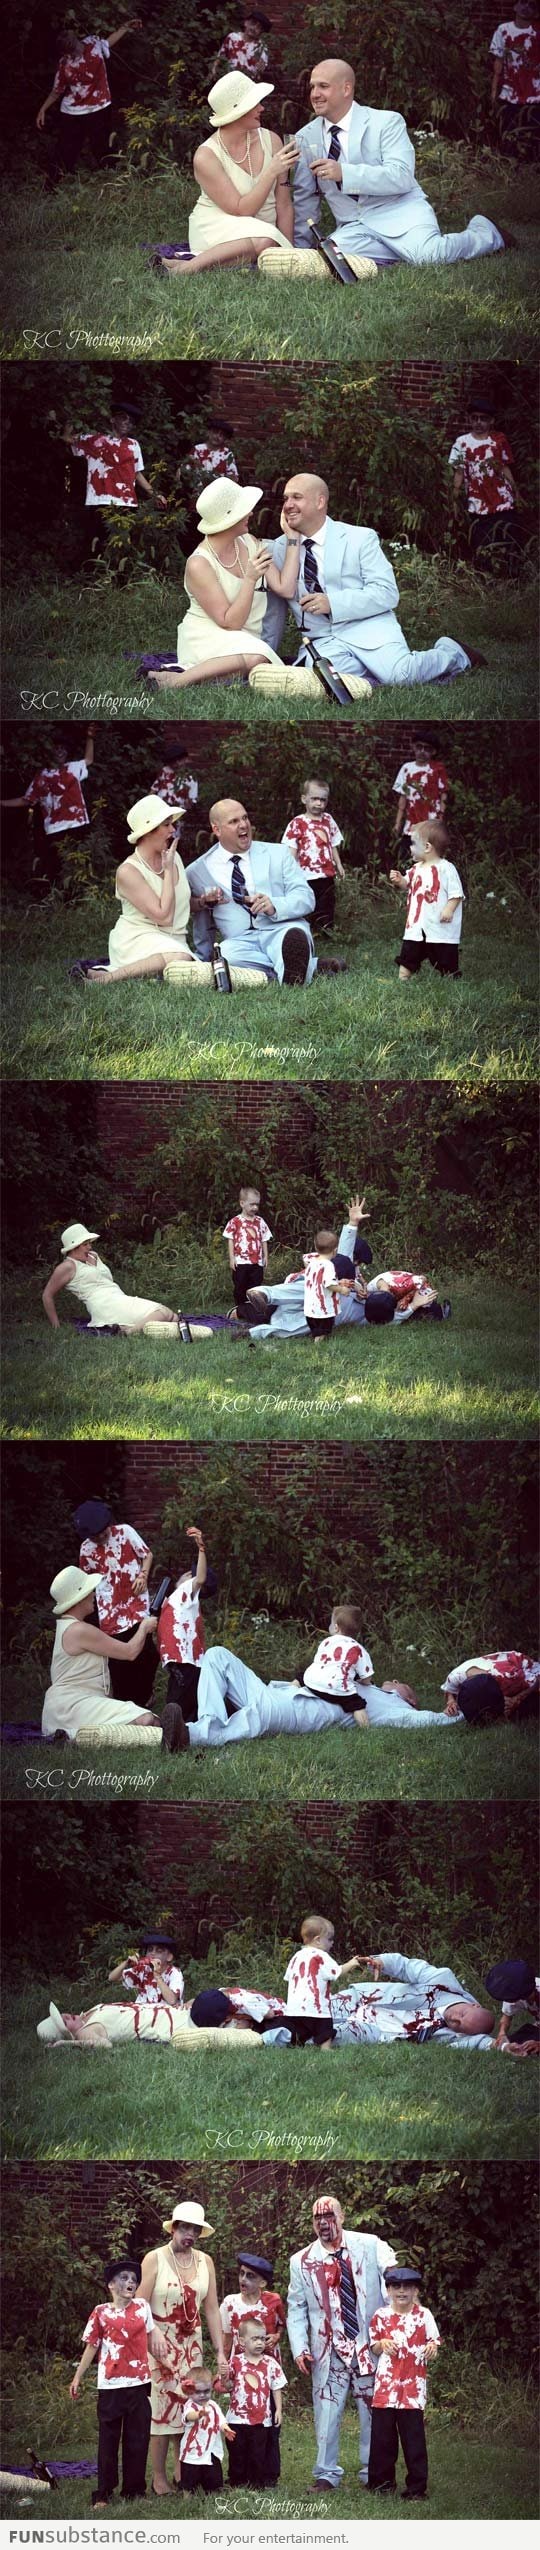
(80, 80)
(321, 1286)
(517, 1987)
(503, 1685)
(309, 1977)
(151, 1973)
(244, 49)
(421, 789)
(483, 482)
(254, 2411)
(405, 2339)
(114, 469)
(180, 1635)
(254, 2300)
(434, 905)
(121, 2332)
(315, 841)
(399, 1295)
(341, 1664)
(200, 2451)
(247, 1236)
(515, 83)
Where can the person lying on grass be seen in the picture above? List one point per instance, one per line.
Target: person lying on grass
(517, 1987)
(405, 1999)
(434, 905)
(408, 1998)
(337, 1689)
(503, 1685)
(83, 1274)
(186, 2025)
(388, 1299)
(121, 2332)
(244, 203)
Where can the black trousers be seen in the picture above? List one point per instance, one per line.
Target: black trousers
(494, 536)
(391, 2427)
(320, 1327)
(324, 891)
(123, 2414)
(183, 1686)
(254, 2458)
(243, 1277)
(310, 2031)
(207, 2475)
(83, 137)
(135, 1680)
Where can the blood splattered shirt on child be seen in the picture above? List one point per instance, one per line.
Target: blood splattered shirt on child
(250, 2402)
(122, 2337)
(400, 2380)
(313, 839)
(309, 1976)
(181, 1638)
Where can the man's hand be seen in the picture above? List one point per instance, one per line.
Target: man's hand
(193, 1534)
(357, 1209)
(261, 906)
(319, 603)
(329, 168)
(304, 2361)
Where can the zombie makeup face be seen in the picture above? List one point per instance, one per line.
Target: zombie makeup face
(328, 2218)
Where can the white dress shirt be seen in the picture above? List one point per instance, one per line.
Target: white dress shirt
(342, 126)
(220, 863)
(318, 545)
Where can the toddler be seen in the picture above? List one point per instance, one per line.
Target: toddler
(309, 1976)
(341, 1665)
(434, 905)
(254, 2410)
(201, 2445)
(315, 841)
(247, 1236)
(404, 2338)
(180, 1636)
(321, 1286)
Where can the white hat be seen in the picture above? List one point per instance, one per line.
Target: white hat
(235, 95)
(74, 1236)
(193, 2214)
(70, 1587)
(223, 503)
(147, 815)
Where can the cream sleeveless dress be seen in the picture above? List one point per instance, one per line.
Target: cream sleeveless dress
(107, 1305)
(133, 935)
(199, 636)
(79, 1693)
(176, 2309)
(209, 227)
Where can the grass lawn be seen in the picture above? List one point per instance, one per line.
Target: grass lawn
(77, 281)
(398, 2102)
(485, 1762)
(364, 1025)
(488, 2470)
(474, 1376)
(74, 649)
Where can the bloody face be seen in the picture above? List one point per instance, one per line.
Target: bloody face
(327, 2222)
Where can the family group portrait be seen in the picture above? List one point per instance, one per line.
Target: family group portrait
(291, 544)
(151, 1654)
(227, 1264)
(291, 2334)
(387, 1990)
(221, 183)
(401, 930)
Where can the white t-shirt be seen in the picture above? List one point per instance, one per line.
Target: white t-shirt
(513, 1670)
(432, 884)
(339, 1666)
(181, 1638)
(485, 460)
(320, 1297)
(203, 2437)
(117, 1557)
(59, 793)
(84, 79)
(122, 2336)
(251, 2389)
(519, 49)
(248, 1233)
(308, 1977)
(313, 839)
(425, 786)
(113, 463)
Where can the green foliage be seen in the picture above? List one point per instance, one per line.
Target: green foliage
(431, 64)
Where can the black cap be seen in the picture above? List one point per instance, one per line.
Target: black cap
(121, 2266)
(402, 2275)
(93, 1517)
(156, 1939)
(260, 2266)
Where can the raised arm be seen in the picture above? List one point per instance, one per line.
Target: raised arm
(127, 27)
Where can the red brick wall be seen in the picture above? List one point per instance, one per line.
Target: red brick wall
(142, 1113)
(394, 744)
(241, 389)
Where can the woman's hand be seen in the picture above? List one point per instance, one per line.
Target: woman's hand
(262, 560)
(284, 159)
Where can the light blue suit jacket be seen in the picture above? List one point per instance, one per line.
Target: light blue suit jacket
(275, 873)
(378, 181)
(361, 588)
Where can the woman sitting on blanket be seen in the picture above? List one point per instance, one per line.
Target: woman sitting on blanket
(225, 581)
(153, 892)
(79, 1695)
(245, 203)
(86, 1276)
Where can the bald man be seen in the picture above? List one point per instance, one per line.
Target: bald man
(254, 898)
(336, 2284)
(360, 161)
(345, 596)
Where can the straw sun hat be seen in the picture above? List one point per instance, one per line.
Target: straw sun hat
(70, 1587)
(222, 504)
(74, 1236)
(235, 96)
(147, 815)
(192, 2214)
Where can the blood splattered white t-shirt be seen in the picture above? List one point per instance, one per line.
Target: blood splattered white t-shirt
(140, 1977)
(313, 839)
(309, 1976)
(177, 791)
(400, 2380)
(485, 460)
(245, 53)
(251, 2388)
(269, 2309)
(83, 78)
(181, 1638)
(113, 464)
(248, 1233)
(513, 1670)
(425, 786)
(518, 48)
(339, 1666)
(117, 1557)
(122, 2337)
(59, 793)
(321, 1300)
(400, 1283)
(432, 883)
(203, 2437)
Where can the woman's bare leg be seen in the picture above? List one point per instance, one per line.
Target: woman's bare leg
(159, 2446)
(124, 973)
(212, 669)
(232, 253)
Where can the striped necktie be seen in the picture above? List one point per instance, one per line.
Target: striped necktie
(348, 2301)
(312, 580)
(238, 887)
(335, 144)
